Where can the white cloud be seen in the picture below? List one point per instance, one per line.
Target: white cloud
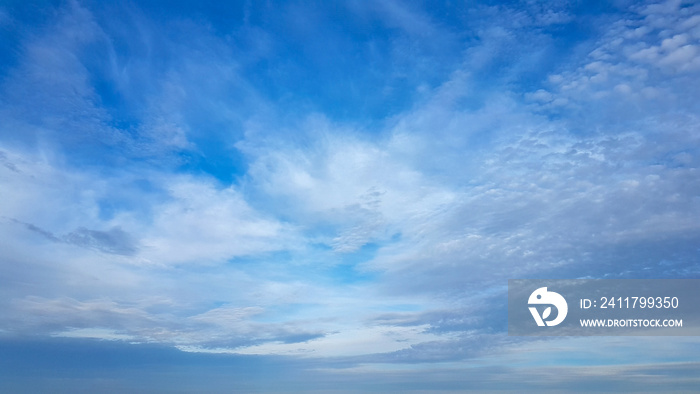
(186, 220)
(349, 342)
(94, 333)
(357, 186)
(203, 224)
(73, 268)
(642, 62)
(38, 193)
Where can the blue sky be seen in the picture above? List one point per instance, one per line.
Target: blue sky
(331, 196)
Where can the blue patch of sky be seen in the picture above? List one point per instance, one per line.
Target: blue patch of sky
(13, 28)
(325, 58)
(131, 195)
(214, 158)
(348, 270)
(320, 264)
(282, 258)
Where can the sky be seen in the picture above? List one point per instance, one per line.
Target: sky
(292, 196)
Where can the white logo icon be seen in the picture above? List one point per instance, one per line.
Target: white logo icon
(543, 297)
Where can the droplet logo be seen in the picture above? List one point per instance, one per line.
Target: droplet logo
(543, 297)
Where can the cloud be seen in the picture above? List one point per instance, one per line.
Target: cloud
(358, 187)
(95, 333)
(51, 76)
(114, 241)
(202, 223)
(639, 66)
(348, 342)
(7, 163)
(63, 272)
